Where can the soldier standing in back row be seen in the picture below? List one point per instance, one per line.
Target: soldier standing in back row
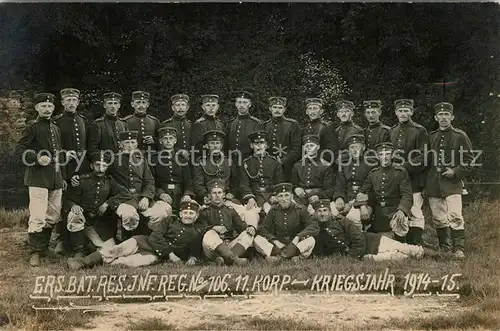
(104, 131)
(146, 125)
(376, 132)
(283, 136)
(451, 161)
(180, 107)
(345, 112)
(207, 122)
(409, 140)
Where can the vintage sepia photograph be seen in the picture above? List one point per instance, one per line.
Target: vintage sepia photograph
(249, 166)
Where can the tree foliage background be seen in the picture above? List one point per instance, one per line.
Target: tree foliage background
(352, 50)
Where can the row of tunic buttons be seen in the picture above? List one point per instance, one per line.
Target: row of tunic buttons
(96, 201)
(343, 244)
(382, 202)
(77, 135)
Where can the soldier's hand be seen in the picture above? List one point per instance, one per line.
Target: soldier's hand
(44, 160)
(220, 229)
(206, 200)
(299, 191)
(191, 261)
(399, 217)
(295, 240)
(174, 258)
(229, 196)
(273, 199)
(313, 199)
(149, 140)
(75, 181)
(103, 208)
(347, 207)
(184, 153)
(71, 155)
(361, 197)
(65, 185)
(251, 204)
(449, 173)
(250, 230)
(278, 244)
(339, 204)
(166, 197)
(143, 204)
(77, 210)
(365, 215)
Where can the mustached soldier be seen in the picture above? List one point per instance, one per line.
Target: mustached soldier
(180, 107)
(207, 122)
(345, 112)
(145, 124)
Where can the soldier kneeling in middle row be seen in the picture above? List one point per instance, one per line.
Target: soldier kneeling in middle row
(173, 239)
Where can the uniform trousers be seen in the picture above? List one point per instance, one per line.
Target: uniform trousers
(447, 212)
(212, 239)
(133, 252)
(265, 247)
(44, 208)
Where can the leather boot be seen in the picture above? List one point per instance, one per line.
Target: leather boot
(239, 250)
(414, 236)
(290, 251)
(458, 239)
(400, 239)
(77, 241)
(444, 238)
(36, 241)
(85, 262)
(229, 257)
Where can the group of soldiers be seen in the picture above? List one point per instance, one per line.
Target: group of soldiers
(135, 191)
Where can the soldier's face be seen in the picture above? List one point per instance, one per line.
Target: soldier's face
(344, 114)
(404, 114)
(99, 168)
(217, 196)
(444, 118)
(314, 111)
(259, 147)
(128, 146)
(112, 107)
(323, 214)
(385, 157)
(168, 141)
(284, 199)
(215, 146)
(140, 106)
(243, 105)
(70, 104)
(188, 216)
(210, 108)
(372, 115)
(277, 110)
(180, 108)
(310, 148)
(45, 109)
(356, 149)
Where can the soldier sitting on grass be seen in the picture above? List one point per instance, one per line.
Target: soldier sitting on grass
(175, 239)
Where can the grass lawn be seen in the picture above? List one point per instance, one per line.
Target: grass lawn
(478, 285)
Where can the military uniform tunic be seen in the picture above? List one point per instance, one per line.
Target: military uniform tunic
(206, 170)
(145, 125)
(202, 125)
(407, 137)
(445, 147)
(225, 216)
(389, 190)
(284, 139)
(328, 140)
(258, 177)
(173, 236)
(375, 134)
(73, 127)
(42, 135)
(183, 126)
(345, 130)
(103, 134)
(339, 236)
(350, 180)
(286, 224)
(314, 177)
(237, 131)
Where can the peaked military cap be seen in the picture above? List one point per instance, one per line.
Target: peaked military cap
(281, 101)
(101, 156)
(179, 97)
(209, 98)
(403, 103)
(310, 138)
(167, 131)
(443, 106)
(44, 97)
(189, 205)
(322, 203)
(283, 187)
(70, 92)
(386, 146)
(214, 135)
(369, 104)
(112, 96)
(243, 94)
(257, 135)
(128, 135)
(311, 101)
(344, 104)
(216, 183)
(140, 95)
(355, 138)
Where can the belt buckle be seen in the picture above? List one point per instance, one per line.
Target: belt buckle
(262, 189)
(439, 169)
(382, 204)
(355, 187)
(170, 186)
(133, 190)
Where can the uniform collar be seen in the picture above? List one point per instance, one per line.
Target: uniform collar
(140, 115)
(44, 120)
(208, 118)
(408, 124)
(348, 123)
(243, 117)
(278, 119)
(178, 118)
(375, 125)
(447, 129)
(69, 114)
(111, 118)
(217, 206)
(314, 121)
